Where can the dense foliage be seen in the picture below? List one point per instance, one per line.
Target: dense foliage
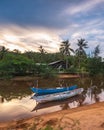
(13, 63)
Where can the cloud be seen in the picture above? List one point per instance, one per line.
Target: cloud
(82, 7)
(92, 31)
(29, 38)
(50, 23)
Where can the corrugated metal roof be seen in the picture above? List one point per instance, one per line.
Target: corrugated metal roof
(55, 62)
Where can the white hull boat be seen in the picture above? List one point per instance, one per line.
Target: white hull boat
(57, 96)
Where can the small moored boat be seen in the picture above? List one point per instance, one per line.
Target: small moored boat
(41, 91)
(57, 96)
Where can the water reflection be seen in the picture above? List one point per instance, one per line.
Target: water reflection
(18, 105)
(64, 104)
(23, 108)
(10, 89)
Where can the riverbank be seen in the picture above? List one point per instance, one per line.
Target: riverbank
(65, 76)
(90, 117)
(59, 76)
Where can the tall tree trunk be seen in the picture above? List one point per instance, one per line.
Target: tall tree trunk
(67, 62)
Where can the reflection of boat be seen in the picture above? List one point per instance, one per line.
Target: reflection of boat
(77, 98)
(41, 91)
(57, 96)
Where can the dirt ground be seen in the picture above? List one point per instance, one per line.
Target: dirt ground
(90, 117)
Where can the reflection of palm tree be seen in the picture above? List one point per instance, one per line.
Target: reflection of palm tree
(66, 50)
(80, 52)
(96, 98)
(81, 100)
(94, 91)
(65, 106)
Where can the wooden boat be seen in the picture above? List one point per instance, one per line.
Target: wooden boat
(57, 96)
(41, 91)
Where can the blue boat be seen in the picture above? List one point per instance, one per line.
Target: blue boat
(41, 91)
(57, 96)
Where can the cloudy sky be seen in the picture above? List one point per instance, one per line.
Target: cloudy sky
(27, 24)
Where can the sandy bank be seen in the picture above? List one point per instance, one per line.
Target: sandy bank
(65, 76)
(89, 117)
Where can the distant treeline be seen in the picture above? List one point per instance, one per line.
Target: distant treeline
(14, 62)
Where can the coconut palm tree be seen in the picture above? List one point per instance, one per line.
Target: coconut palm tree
(42, 54)
(16, 51)
(96, 51)
(82, 44)
(80, 52)
(3, 51)
(66, 50)
(41, 50)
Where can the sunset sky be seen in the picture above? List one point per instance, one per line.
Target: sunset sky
(27, 24)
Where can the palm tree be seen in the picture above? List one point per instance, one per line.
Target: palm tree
(42, 53)
(82, 44)
(3, 51)
(66, 50)
(16, 51)
(80, 52)
(41, 50)
(29, 54)
(96, 51)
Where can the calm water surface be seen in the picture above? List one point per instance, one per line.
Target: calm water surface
(18, 103)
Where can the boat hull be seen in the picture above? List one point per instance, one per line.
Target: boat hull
(57, 96)
(40, 91)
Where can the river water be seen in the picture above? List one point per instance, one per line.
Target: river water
(19, 105)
